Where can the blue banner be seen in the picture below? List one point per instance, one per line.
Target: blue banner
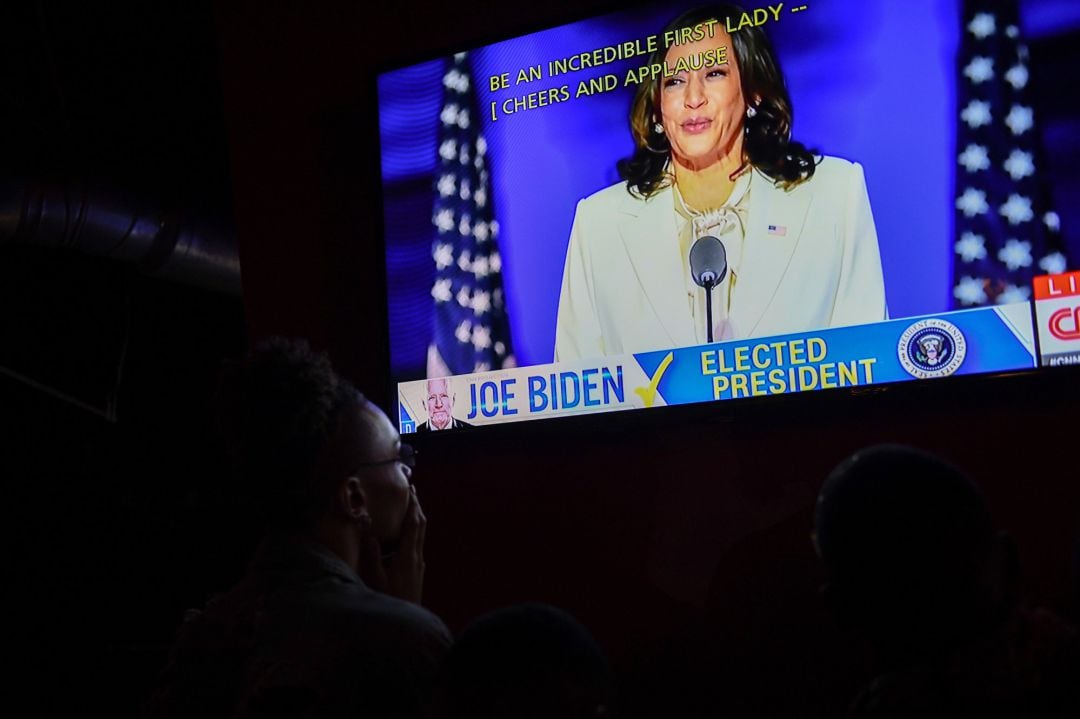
(964, 342)
(986, 339)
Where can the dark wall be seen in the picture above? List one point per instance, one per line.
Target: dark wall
(116, 520)
(116, 511)
(683, 543)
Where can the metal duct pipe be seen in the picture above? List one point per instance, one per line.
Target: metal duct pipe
(74, 217)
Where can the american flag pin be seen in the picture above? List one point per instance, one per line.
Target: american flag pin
(778, 230)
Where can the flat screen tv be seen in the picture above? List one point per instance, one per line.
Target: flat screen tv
(681, 204)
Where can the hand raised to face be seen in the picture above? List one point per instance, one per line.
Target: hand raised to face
(400, 575)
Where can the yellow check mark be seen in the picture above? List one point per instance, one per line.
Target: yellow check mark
(648, 394)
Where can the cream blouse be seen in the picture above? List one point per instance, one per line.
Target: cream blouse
(728, 224)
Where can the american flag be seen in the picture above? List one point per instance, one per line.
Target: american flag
(1006, 231)
(471, 332)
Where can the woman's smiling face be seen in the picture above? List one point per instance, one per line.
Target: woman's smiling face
(703, 110)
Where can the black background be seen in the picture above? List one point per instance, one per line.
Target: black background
(119, 513)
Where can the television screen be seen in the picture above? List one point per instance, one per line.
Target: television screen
(681, 203)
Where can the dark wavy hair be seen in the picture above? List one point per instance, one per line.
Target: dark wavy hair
(767, 144)
(277, 409)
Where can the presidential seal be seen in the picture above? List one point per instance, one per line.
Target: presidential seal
(931, 348)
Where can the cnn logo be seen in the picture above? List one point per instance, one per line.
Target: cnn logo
(1065, 323)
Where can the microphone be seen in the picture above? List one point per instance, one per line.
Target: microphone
(708, 267)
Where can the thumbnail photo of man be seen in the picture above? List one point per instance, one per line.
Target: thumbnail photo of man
(440, 407)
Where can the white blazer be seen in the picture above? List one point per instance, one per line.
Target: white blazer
(624, 290)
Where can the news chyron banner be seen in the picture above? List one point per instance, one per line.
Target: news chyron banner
(986, 339)
(1057, 309)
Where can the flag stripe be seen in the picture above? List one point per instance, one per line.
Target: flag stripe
(471, 332)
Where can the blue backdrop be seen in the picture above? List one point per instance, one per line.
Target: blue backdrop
(871, 81)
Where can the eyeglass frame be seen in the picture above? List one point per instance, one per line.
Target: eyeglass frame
(406, 455)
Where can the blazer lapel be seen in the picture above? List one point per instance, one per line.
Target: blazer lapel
(766, 253)
(648, 231)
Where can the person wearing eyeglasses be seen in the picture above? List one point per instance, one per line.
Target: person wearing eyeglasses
(327, 621)
(440, 407)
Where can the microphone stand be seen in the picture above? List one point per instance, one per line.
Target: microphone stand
(708, 282)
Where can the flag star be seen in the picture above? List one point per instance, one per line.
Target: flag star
(1017, 76)
(494, 261)
(1019, 165)
(494, 227)
(975, 158)
(481, 302)
(465, 226)
(449, 114)
(465, 261)
(976, 114)
(444, 219)
(1016, 254)
(1017, 209)
(1052, 221)
(497, 298)
(463, 298)
(481, 337)
(465, 190)
(480, 198)
(480, 229)
(480, 267)
(1012, 294)
(464, 332)
(481, 146)
(444, 255)
(1012, 32)
(460, 56)
(972, 202)
(1053, 264)
(463, 156)
(481, 367)
(982, 25)
(441, 291)
(980, 69)
(447, 185)
(970, 291)
(448, 149)
(500, 349)
(971, 247)
(463, 119)
(1020, 119)
(456, 80)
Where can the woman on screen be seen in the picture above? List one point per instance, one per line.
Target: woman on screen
(714, 157)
